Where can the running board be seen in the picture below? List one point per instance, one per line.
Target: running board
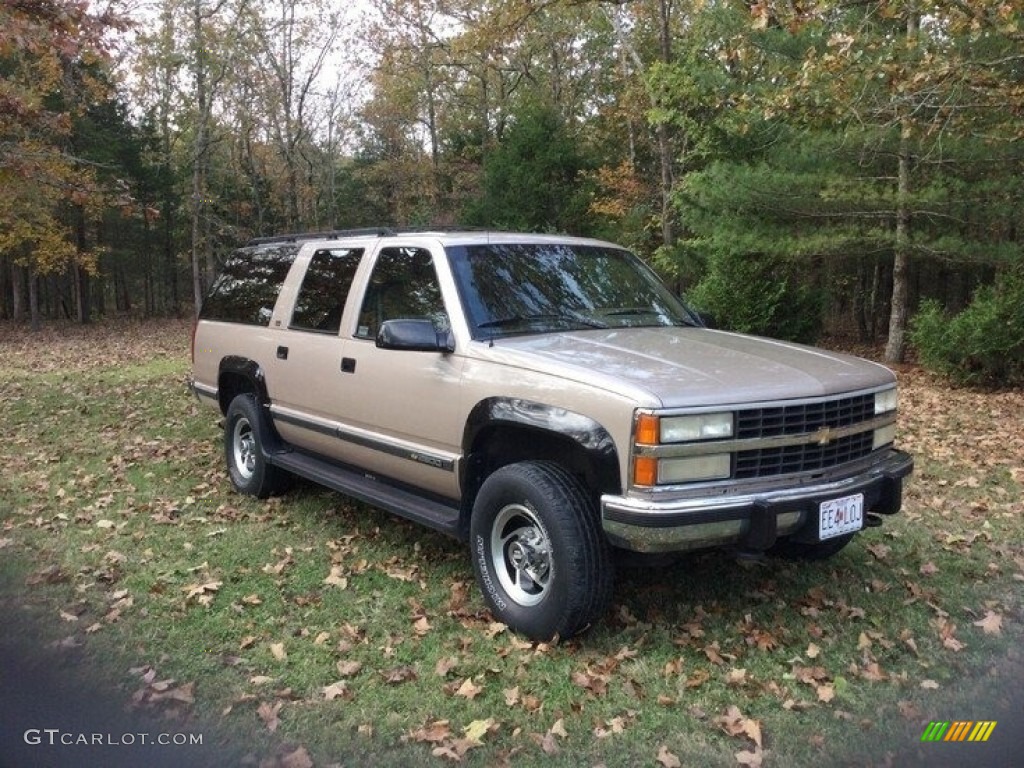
(426, 511)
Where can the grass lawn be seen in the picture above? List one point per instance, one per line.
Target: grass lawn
(313, 630)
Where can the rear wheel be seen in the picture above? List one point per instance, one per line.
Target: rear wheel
(539, 555)
(244, 450)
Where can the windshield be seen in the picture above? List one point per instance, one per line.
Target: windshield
(542, 288)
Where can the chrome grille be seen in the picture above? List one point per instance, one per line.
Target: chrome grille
(805, 418)
(802, 458)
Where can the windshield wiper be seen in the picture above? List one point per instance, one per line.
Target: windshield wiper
(639, 311)
(504, 322)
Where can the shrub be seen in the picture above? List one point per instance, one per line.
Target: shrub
(982, 345)
(753, 293)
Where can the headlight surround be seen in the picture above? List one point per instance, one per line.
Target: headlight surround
(699, 426)
(885, 401)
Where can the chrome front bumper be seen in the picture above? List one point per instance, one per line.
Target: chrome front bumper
(750, 520)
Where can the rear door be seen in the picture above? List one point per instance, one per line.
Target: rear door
(305, 374)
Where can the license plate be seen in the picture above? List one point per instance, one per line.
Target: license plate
(840, 516)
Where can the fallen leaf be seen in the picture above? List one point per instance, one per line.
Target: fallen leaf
(991, 623)
(929, 685)
(398, 675)
(434, 732)
(477, 729)
(667, 759)
(336, 578)
(298, 759)
(338, 690)
(444, 666)
(812, 651)
(736, 677)
(469, 690)
(873, 672)
(268, 713)
(752, 758)
(278, 651)
(511, 696)
(421, 626)
(349, 668)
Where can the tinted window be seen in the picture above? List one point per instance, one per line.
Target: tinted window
(246, 290)
(324, 289)
(538, 288)
(403, 286)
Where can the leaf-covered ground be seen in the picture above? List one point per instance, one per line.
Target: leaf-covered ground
(311, 630)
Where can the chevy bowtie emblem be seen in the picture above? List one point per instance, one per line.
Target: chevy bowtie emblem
(824, 436)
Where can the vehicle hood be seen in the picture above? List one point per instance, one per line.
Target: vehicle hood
(680, 367)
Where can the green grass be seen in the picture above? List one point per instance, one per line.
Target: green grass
(114, 480)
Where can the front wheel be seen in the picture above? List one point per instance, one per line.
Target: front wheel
(539, 555)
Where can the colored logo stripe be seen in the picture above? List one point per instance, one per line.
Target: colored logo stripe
(958, 730)
(982, 731)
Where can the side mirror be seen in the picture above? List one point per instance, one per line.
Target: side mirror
(414, 336)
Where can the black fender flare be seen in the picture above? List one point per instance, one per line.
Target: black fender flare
(592, 438)
(249, 370)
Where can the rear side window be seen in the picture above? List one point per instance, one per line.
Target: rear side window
(324, 289)
(246, 290)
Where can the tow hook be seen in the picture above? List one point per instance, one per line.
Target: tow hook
(871, 520)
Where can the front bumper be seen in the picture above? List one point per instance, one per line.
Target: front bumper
(749, 520)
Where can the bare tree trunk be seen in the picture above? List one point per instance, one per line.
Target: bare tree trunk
(18, 288)
(33, 300)
(895, 348)
(199, 159)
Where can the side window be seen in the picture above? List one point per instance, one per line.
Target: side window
(324, 289)
(247, 288)
(403, 286)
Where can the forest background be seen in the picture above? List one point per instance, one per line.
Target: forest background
(842, 167)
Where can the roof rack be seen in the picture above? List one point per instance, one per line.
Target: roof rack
(333, 234)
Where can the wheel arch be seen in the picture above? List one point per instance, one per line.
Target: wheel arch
(502, 431)
(237, 376)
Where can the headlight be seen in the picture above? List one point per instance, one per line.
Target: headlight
(703, 426)
(885, 401)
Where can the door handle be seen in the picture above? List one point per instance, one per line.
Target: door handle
(348, 365)
(282, 353)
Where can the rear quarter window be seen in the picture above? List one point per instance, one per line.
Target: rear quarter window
(247, 288)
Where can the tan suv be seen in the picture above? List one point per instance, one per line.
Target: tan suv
(545, 398)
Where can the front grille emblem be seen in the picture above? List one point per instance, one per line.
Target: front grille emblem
(824, 436)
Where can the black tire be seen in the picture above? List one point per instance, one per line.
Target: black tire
(539, 554)
(800, 550)
(244, 430)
